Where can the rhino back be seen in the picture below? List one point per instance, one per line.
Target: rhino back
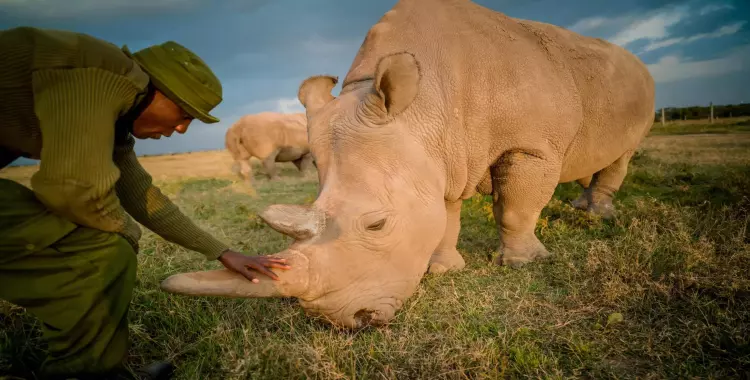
(265, 132)
(491, 83)
(616, 93)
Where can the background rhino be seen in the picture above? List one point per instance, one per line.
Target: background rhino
(270, 137)
(444, 99)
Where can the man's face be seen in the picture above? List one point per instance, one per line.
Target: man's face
(161, 118)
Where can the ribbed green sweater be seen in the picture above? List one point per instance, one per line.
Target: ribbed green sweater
(61, 94)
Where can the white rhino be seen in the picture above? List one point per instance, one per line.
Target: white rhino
(270, 137)
(444, 99)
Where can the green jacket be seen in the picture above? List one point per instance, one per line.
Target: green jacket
(65, 92)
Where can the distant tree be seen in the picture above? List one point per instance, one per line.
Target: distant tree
(703, 112)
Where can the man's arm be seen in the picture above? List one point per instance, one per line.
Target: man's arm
(146, 203)
(154, 210)
(77, 109)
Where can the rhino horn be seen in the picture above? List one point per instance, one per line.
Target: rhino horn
(297, 221)
(292, 282)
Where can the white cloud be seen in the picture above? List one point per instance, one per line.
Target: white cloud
(289, 105)
(653, 27)
(283, 105)
(674, 68)
(634, 26)
(725, 30)
(713, 8)
(662, 44)
(587, 24)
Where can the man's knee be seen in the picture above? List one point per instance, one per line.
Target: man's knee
(110, 254)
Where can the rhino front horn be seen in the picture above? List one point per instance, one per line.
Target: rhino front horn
(299, 222)
(292, 282)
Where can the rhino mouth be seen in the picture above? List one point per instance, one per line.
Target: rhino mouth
(354, 315)
(366, 317)
(377, 316)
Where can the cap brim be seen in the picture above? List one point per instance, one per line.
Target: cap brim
(204, 117)
(210, 119)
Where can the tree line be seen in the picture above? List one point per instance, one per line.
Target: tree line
(703, 112)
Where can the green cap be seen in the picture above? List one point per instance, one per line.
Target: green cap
(182, 76)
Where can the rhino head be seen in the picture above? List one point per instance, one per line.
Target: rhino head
(362, 247)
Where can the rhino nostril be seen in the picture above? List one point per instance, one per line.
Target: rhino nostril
(364, 317)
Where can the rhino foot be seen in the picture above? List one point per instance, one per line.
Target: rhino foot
(446, 261)
(517, 258)
(602, 208)
(581, 202)
(606, 210)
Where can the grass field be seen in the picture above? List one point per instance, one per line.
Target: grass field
(689, 127)
(661, 292)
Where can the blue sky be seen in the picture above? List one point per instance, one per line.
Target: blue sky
(697, 51)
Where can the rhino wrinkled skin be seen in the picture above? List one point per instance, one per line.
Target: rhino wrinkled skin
(270, 137)
(444, 99)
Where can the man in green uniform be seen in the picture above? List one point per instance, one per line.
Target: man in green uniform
(68, 245)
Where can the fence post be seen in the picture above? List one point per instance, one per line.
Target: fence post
(662, 116)
(712, 112)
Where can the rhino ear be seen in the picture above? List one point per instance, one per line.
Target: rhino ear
(396, 83)
(315, 91)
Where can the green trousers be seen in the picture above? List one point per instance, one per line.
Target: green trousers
(77, 281)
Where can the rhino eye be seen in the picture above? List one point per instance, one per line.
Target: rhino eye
(377, 226)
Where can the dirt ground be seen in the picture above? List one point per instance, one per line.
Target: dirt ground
(216, 163)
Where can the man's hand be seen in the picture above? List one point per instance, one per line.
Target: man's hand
(243, 264)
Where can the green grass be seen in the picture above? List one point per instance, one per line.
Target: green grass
(679, 128)
(661, 292)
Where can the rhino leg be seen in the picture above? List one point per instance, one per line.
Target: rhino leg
(522, 185)
(604, 185)
(269, 164)
(246, 173)
(243, 170)
(306, 163)
(446, 257)
(298, 163)
(582, 202)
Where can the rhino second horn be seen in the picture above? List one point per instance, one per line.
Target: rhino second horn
(299, 222)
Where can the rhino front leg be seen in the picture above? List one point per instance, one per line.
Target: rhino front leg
(246, 171)
(304, 163)
(604, 185)
(582, 202)
(446, 257)
(522, 184)
(307, 162)
(269, 164)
